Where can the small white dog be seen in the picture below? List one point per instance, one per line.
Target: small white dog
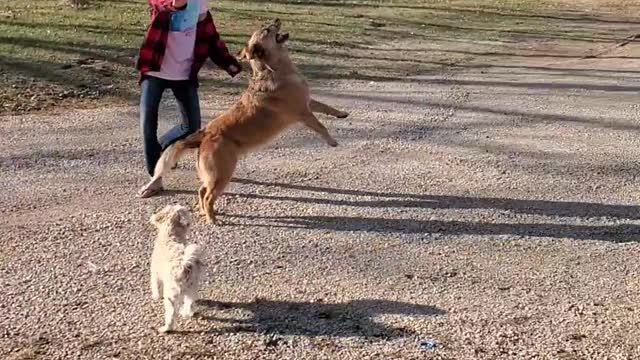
(175, 265)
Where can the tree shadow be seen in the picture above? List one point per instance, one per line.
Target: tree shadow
(383, 69)
(93, 28)
(614, 233)
(72, 76)
(493, 53)
(355, 318)
(472, 30)
(482, 19)
(114, 54)
(525, 116)
(566, 15)
(405, 200)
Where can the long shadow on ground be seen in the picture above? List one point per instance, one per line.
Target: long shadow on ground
(613, 233)
(404, 200)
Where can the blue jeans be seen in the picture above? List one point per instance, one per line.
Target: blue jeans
(186, 94)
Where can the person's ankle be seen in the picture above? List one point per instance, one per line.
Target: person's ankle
(155, 184)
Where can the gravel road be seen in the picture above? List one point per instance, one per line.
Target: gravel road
(492, 212)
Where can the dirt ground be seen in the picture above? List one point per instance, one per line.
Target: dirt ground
(485, 211)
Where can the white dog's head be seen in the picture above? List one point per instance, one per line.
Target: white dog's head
(175, 216)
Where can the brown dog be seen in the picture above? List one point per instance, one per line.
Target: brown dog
(277, 97)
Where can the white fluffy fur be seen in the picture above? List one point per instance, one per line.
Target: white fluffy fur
(175, 265)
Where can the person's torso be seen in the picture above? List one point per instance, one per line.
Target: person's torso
(181, 39)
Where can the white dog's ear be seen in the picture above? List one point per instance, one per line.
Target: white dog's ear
(160, 216)
(156, 219)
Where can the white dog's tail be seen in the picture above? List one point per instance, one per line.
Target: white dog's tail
(173, 153)
(190, 260)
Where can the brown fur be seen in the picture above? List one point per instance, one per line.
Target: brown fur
(277, 97)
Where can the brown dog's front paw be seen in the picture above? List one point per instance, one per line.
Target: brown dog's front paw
(332, 142)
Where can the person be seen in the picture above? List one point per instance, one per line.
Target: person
(180, 38)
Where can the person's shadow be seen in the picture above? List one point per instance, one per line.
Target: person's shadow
(352, 319)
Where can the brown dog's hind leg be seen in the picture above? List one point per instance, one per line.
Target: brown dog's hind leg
(318, 107)
(310, 121)
(201, 193)
(221, 184)
(208, 204)
(219, 168)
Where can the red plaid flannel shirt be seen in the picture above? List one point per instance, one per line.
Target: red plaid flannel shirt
(208, 44)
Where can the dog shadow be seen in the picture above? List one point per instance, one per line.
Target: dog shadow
(351, 319)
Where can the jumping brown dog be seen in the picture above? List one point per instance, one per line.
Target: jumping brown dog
(277, 97)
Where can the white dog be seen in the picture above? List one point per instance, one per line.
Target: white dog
(175, 265)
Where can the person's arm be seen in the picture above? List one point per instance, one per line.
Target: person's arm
(219, 53)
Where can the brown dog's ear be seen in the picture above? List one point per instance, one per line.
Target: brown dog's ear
(255, 51)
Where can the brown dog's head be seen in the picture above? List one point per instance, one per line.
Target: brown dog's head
(174, 216)
(266, 46)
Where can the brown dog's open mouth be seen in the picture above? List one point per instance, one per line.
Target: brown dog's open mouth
(280, 38)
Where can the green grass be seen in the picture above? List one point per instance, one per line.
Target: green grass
(53, 54)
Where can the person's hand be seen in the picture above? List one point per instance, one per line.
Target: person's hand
(177, 4)
(234, 69)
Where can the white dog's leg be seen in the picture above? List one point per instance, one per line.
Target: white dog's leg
(169, 314)
(187, 304)
(155, 286)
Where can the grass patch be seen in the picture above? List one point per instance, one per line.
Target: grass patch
(53, 54)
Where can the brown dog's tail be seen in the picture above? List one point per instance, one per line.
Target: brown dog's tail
(173, 153)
